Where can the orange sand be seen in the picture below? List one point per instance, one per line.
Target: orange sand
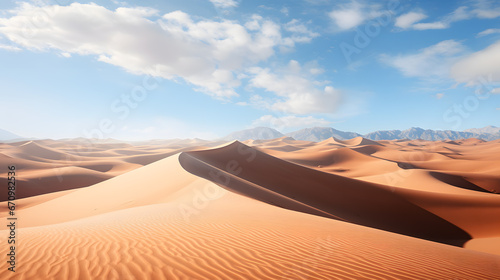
(276, 209)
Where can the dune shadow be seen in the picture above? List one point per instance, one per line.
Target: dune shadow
(294, 187)
(457, 181)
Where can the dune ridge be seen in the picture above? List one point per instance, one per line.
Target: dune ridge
(48, 166)
(273, 209)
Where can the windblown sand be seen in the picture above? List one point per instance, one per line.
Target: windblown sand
(275, 209)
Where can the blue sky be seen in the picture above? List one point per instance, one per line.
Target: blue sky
(198, 68)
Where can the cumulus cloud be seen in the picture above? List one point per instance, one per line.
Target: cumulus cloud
(296, 94)
(430, 62)
(205, 53)
(289, 122)
(480, 67)
(407, 20)
(350, 15)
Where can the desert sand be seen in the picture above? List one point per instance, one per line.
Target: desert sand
(259, 209)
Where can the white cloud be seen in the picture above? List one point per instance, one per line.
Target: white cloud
(439, 95)
(488, 32)
(296, 94)
(480, 67)
(207, 54)
(486, 9)
(120, 3)
(430, 25)
(284, 11)
(289, 122)
(408, 19)
(430, 62)
(353, 14)
(316, 71)
(224, 3)
(9, 48)
(460, 13)
(301, 32)
(294, 66)
(495, 91)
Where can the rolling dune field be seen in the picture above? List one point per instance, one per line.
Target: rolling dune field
(258, 209)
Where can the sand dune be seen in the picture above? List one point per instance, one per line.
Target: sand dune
(355, 141)
(273, 209)
(46, 166)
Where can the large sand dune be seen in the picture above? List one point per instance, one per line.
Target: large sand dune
(276, 209)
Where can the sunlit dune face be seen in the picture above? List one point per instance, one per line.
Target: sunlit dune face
(384, 209)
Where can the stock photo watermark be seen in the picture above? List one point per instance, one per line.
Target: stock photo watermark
(121, 108)
(233, 167)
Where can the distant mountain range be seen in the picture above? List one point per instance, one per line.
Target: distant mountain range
(5, 135)
(321, 133)
(485, 130)
(317, 134)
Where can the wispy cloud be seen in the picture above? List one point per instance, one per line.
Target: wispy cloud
(9, 48)
(224, 3)
(407, 20)
(432, 62)
(412, 20)
(488, 32)
(301, 32)
(431, 25)
(482, 9)
(486, 9)
(479, 67)
(495, 91)
(352, 14)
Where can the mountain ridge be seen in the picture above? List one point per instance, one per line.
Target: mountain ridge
(7, 135)
(317, 134)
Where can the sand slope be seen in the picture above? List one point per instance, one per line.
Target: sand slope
(267, 212)
(46, 166)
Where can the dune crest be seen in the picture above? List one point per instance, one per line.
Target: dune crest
(279, 209)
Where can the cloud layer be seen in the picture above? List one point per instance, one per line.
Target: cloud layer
(294, 92)
(431, 62)
(482, 9)
(205, 53)
(481, 67)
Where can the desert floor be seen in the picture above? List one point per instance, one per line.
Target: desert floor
(259, 209)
